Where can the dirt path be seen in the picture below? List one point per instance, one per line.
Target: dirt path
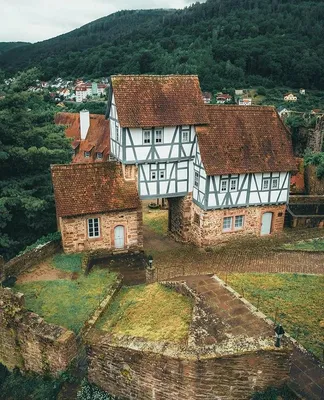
(43, 272)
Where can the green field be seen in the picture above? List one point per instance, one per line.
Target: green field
(67, 302)
(309, 245)
(294, 300)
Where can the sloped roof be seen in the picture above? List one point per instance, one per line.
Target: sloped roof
(98, 136)
(158, 100)
(244, 139)
(92, 188)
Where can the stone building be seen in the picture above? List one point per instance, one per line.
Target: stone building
(225, 170)
(96, 207)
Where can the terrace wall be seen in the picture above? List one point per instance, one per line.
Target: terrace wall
(23, 262)
(28, 342)
(135, 373)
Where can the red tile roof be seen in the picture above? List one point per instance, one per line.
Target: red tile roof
(92, 188)
(152, 100)
(98, 136)
(244, 139)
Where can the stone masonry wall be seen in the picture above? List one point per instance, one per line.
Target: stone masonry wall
(180, 217)
(314, 186)
(135, 374)
(208, 225)
(75, 237)
(19, 264)
(28, 342)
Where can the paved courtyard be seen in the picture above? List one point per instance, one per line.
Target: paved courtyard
(246, 255)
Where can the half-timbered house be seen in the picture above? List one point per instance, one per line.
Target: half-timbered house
(225, 170)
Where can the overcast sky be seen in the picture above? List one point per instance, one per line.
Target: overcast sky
(35, 20)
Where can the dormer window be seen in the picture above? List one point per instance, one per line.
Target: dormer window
(87, 154)
(99, 155)
(147, 136)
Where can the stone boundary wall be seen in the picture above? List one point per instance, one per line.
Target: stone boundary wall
(314, 186)
(136, 368)
(23, 262)
(30, 343)
(307, 199)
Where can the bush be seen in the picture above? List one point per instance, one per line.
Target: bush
(44, 239)
(92, 392)
(261, 91)
(16, 386)
(273, 394)
(316, 159)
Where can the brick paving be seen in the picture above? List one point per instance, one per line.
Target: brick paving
(306, 374)
(247, 255)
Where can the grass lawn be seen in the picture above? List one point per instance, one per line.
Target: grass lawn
(67, 302)
(150, 311)
(309, 245)
(157, 220)
(298, 299)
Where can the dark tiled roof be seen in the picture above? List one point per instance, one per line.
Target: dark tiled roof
(152, 100)
(244, 139)
(92, 188)
(98, 136)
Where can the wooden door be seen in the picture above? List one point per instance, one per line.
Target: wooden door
(266, 223)
(119, 237)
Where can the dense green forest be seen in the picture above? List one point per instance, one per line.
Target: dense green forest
(6, 46)
(29, 144)
(226, 42)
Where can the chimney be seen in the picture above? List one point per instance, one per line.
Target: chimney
(84, 123)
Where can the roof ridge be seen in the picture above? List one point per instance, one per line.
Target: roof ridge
(154, 76)
(82, 165)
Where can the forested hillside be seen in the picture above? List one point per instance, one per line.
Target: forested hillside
(227, 42)
(6, 46)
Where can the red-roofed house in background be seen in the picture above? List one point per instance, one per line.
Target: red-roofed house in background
(90, 134)
(96, 207)
(224, 169)
(207, 97)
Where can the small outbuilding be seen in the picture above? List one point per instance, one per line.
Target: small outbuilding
(96, 207)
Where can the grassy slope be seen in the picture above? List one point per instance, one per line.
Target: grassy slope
(312, 245)
(67, 302)
(298, 300)
(150, 311)
(157, 221)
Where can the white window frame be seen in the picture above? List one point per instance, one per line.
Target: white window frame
(92, 229)
(226, 219)
(185, 136)
(233, 180)
(196, 179)
(147, 140)
(277, 185)
(241, 218)
(264, 180)
(160, 140)
(225, 188)
(87, 154)
(154, 175)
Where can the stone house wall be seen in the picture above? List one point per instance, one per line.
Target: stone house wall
(30, 343)
(135, 374)
(23, 262)
(188, 222)
(75, 236)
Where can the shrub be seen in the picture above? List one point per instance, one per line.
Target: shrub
(92, 392)
(43, 240)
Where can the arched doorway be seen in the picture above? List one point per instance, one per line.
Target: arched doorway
(119, 233)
